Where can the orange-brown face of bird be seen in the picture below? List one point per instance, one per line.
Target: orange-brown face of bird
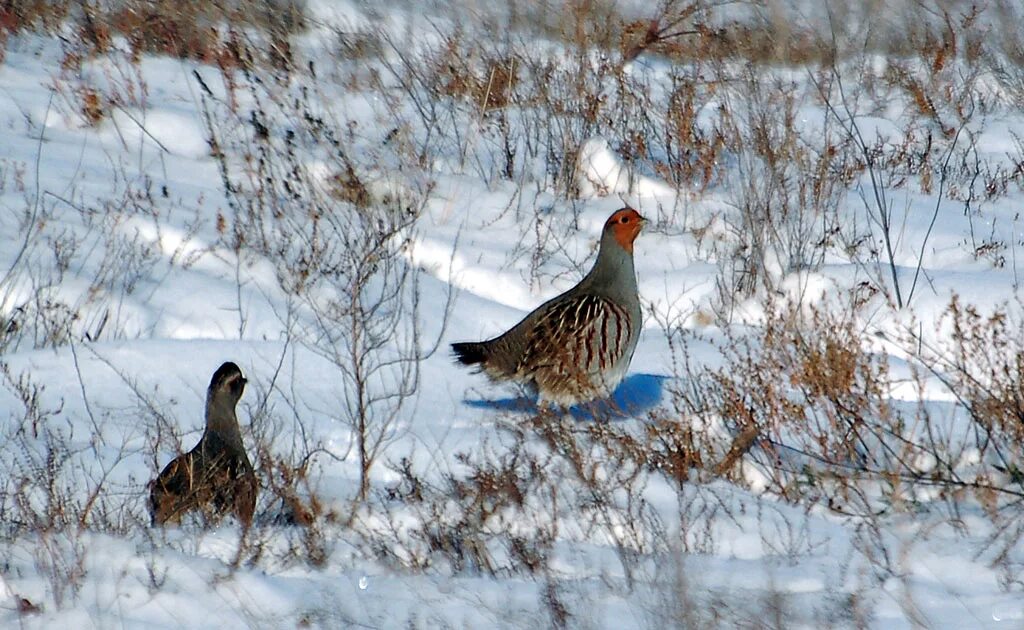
(625, 224)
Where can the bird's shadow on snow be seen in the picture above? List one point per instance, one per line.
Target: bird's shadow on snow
(635, 396)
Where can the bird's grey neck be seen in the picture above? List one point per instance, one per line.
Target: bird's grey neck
(612, 270)
(222, 421)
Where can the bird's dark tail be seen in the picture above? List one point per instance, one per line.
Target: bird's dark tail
(470, 352)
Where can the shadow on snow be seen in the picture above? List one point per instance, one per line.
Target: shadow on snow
(635, 396)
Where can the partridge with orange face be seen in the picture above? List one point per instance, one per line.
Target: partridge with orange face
(575, 347)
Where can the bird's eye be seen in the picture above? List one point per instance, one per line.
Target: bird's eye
(624, 220)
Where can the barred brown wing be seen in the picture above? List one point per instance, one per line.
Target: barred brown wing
(575, 342)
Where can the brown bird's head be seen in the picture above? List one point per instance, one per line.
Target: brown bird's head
(227, 383)
(625, 225)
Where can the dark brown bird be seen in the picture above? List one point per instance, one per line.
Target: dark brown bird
(215, 476)
(575, 347)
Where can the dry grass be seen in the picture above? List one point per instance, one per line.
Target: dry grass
(190, 29)
(799, 405)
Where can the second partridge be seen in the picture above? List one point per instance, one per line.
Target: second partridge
(215, 476)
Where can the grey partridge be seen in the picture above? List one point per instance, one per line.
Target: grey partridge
(575, 347)
(215, 476)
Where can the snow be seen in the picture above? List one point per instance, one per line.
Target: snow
(163, 297)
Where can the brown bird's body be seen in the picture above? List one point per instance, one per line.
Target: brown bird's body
(215, 476)
(575, 347)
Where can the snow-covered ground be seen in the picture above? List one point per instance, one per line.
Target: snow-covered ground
(124, 288)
